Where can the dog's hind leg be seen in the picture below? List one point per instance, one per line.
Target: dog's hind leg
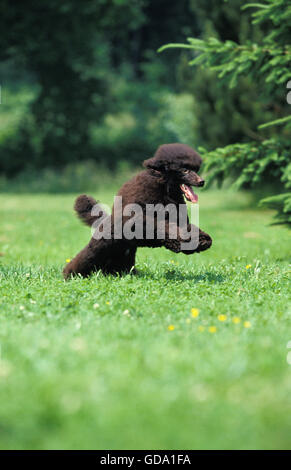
(93, 257)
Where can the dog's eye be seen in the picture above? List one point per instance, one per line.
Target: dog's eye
(185, 171)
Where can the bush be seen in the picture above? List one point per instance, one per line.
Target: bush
(72, 178)
(267, 64)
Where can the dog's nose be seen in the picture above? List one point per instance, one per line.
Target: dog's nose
(200, 182)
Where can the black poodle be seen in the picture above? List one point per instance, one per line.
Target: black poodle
(168, 178)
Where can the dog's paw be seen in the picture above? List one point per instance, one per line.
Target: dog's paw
(205, 242)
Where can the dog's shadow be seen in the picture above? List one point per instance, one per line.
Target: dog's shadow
(173, 275)
(207, 277)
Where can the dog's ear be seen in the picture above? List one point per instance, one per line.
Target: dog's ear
(155, 164)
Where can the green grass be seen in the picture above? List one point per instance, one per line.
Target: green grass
(75, 376)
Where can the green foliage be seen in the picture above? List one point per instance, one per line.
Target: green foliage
(73, 56)
(277, 122)
(251, 165)
(76, 375)
(267, 64)
(282, 204)
(224, 115)
(73, 177)
(228, 58)
(143, 117)
(57, 43)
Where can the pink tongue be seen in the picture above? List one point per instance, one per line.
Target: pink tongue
(189, 193)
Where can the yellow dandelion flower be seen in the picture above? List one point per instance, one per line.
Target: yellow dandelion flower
(194, 312)
(247, 324)
(171, 327)
(222, 317)
(236, 320)
(201, 328)
(248, 266)
(212, 329)
(68, 260)
(107, 303)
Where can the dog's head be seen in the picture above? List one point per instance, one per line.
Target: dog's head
(178, 165)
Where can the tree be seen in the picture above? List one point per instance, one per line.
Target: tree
(64, 46)
(267, 63)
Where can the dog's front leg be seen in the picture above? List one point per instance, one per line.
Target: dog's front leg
(188, 242)
(162, 233)
(200, 241)
(173, 240)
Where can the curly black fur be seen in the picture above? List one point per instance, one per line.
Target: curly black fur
(160, 183)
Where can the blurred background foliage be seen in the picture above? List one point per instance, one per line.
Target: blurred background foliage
(84, 89)
(82, 81)
(264, 160)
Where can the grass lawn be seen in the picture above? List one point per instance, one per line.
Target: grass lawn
(92, 363)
